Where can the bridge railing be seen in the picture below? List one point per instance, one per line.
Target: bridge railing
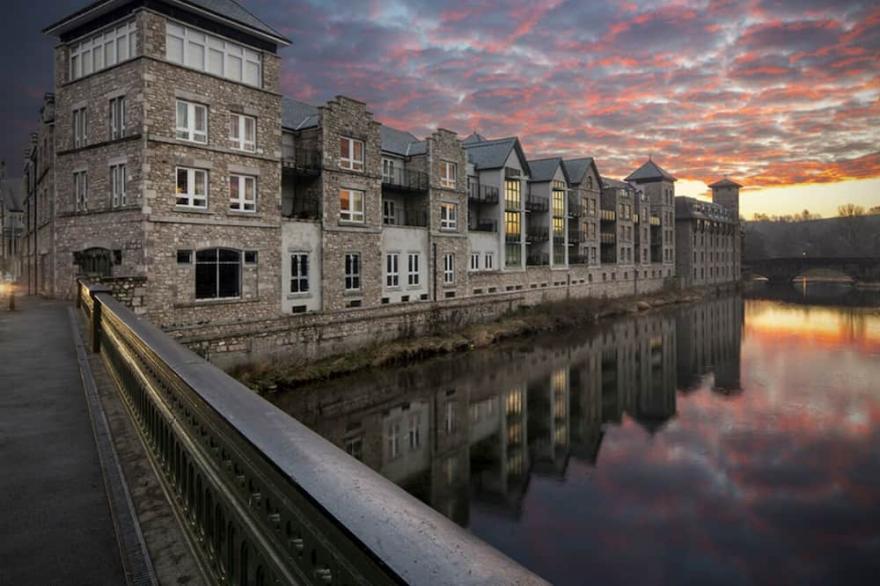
(264, 500)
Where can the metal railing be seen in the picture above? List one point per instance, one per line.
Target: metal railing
(538, 259)
(538, 234)
(302, 206)
(576, 236)
(263, 499)
(484, 226)
(479, 193)
(536, 203)
(405, 179)
(302, 160)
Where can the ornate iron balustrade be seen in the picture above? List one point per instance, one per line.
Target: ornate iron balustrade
(479, 193)
(302, 160)
(263, 499)
(405, 179)
(535, 203)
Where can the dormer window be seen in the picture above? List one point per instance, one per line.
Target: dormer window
(351, 154)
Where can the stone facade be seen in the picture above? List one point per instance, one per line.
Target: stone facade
(707, 236)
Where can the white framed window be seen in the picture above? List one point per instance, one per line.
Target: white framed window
(489, 260)
(389, 212)
(387, 170)
(118, 114)
(448, 174)
(299, 272)
(211, 54)
(192, 122)
(192, 188)
(118, 177)
(112, 45)
(351, 153)
(81, 191)
(448, 268)
(413, 275)
(80, 127)
(475, 261)
(415, 436)
(243, 132)
(392, 270)
(448, 216)
(351, 205)
(352, 271)
(242, 193)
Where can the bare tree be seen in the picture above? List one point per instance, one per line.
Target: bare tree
(850, 210)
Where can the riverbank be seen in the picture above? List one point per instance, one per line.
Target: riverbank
(272, 376)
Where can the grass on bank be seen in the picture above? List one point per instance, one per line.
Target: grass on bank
(273, 375)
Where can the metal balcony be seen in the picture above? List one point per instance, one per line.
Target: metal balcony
(405, 180)
(538, 234)
(536, 203)
(485, 226)
(302, 161)
(538, 259)
(512, 238)
(482, 194)
(576, 236)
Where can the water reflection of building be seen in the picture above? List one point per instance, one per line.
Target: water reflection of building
(710, 336)
(480, 427)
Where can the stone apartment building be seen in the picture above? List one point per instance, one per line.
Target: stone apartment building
(11, 224)
(168, 158)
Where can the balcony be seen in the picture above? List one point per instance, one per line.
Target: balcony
(538, 234)
(405, 180)
(536, 203)
(576, 236)
(575, 206)
(607, 215)
(538, 259)
(578, 259)
(485, 226)
(482, 194)
(558, 238)
(409, 217)
(607, 238)
(304, 206)
(302, 161)
(512, 238)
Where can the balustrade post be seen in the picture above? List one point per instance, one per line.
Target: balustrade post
(96, 316)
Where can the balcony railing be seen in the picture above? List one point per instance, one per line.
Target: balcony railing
(538, 234)
(302, 206)
(576, 236)
(484, 226)
(264, 499)
(607, 215)
(538, 259)
(483, 194)
(302, 160)
(558, 238)
(512, 238)
(536, 203)
(607, 238)
(409, 217)
(578, 259)
(405, 179)
(575, 206)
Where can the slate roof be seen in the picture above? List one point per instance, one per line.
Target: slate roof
(609, 182)
(473, 138)
(542, 170)
(493, 154)
(725, 183)
(296, 115)
(691, 208)
(576, 169)
(221, 9)
(650, 171)
(401, 142)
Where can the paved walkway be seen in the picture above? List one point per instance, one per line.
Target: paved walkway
(55, 523)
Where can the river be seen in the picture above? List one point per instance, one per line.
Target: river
(736, 441)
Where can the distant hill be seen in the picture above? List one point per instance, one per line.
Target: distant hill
(858, 236)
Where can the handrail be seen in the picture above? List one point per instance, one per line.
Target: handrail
(265, 500)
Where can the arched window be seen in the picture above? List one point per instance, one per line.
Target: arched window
(218, 273)
(95, 262)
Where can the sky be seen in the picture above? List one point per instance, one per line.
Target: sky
(781, 95)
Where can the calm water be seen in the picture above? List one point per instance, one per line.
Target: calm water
(732, 442)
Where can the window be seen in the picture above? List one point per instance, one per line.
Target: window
(299, 272)
(414, 432)
(413, 269)
(389, 212)
(80, 127)
(352, 271)
(218, 273)
(447, 174)
(117, 185)
(243, 132)
(80, 190)
(448, 216)
(393, 440)
(192, 187)
(355, 447)
(512, 255)
(242, 193)
(512, 194)
(392, 272)
(475, 261)
(117, 117)
(250, 257)
(512, 225)
(387, 170)
(184, 257)
(351, 205)
(203, 52)
(192, 122)
(448, 269)
(489, 260)
(110, 46)
(351, 154)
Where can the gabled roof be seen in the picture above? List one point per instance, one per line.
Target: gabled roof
(401, 142)
(473, 137)
(296, 115)
(227, 12)
(725, 183)
(493, 154)
(609, 182)
(577, 169)
(543, 170)
(650, 171)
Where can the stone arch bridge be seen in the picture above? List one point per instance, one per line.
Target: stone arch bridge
(784, 270)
